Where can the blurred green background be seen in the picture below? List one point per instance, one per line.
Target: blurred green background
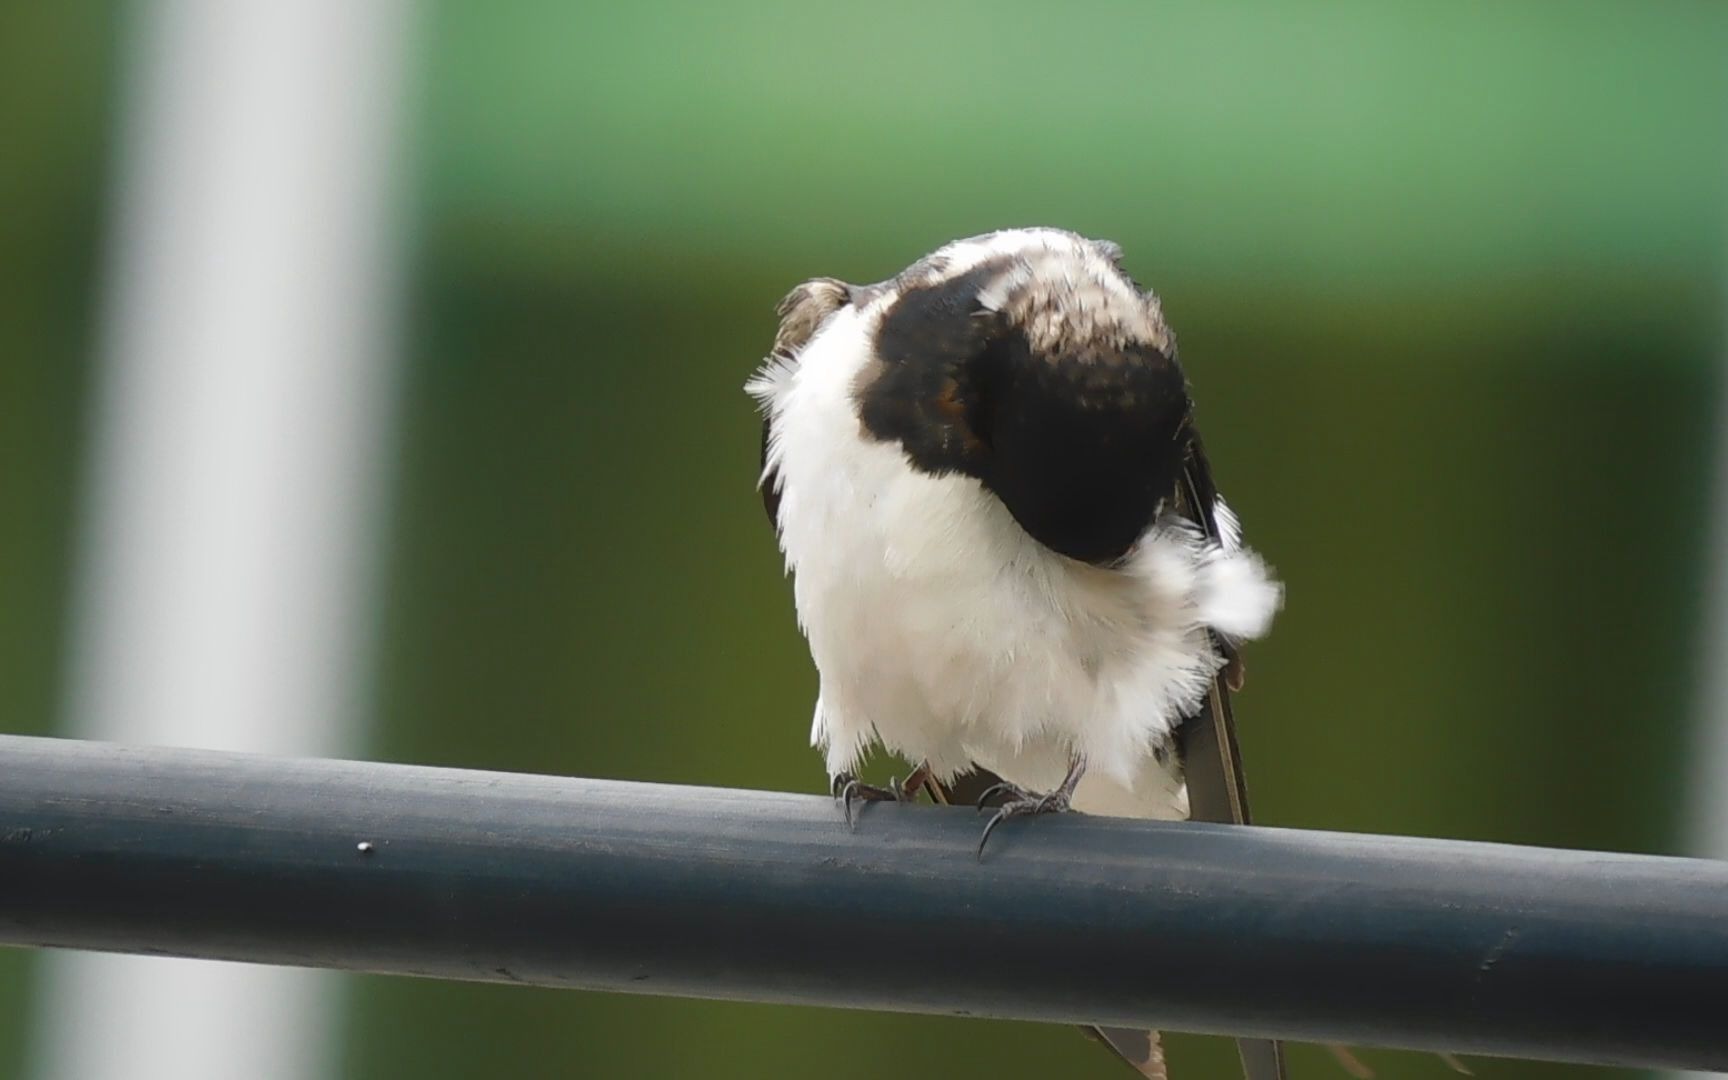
(1448, 279)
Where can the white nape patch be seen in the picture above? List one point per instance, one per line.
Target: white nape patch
(1090, 280)
(1071, 287)
(967, 254)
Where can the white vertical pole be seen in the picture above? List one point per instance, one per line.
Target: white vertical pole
(238, 443)
(1707, 784)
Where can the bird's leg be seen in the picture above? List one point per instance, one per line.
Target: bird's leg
(1021, 802)
(916, 781)
(849, 789)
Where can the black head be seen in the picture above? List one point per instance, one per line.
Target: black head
(1029, 361)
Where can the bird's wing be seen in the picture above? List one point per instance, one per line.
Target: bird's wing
(802, 313)
(1216, 789)
(770, 481)
(1143, 1050)
(1211, 759)
(1212, 762)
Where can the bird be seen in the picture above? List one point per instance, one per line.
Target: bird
(1009, 557)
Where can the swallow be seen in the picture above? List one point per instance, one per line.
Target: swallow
(1008, 553)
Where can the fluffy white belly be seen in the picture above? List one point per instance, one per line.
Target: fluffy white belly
(940, 629)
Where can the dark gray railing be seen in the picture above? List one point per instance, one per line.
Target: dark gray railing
(1367, 940)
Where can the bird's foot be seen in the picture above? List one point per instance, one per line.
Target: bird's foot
(1023, 803)
(1013, 792)
(1020, 803)
(848, 789)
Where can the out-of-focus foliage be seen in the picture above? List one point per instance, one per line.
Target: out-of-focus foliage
(56, 74)
(1448, 279)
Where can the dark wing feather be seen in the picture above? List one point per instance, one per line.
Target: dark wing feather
(1143, 1050)
(770, 481)
(1216, 790)
(1211, 758)
(802, 313)
(965, 789)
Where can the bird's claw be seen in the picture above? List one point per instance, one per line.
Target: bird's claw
(1020, 803)
(1015, 793)
(848, 789)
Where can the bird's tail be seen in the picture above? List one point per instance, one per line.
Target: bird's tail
(1144, 1050)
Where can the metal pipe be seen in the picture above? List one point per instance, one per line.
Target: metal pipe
(762, 896)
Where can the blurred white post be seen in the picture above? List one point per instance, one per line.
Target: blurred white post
(238, 445)
(1707, 786)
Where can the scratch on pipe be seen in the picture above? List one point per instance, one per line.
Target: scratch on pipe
(1499, 950)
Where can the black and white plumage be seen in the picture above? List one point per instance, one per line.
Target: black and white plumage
(1007, 549)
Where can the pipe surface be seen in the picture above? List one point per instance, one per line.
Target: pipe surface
(763, 896)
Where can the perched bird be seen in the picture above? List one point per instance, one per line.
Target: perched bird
(1007, 549)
